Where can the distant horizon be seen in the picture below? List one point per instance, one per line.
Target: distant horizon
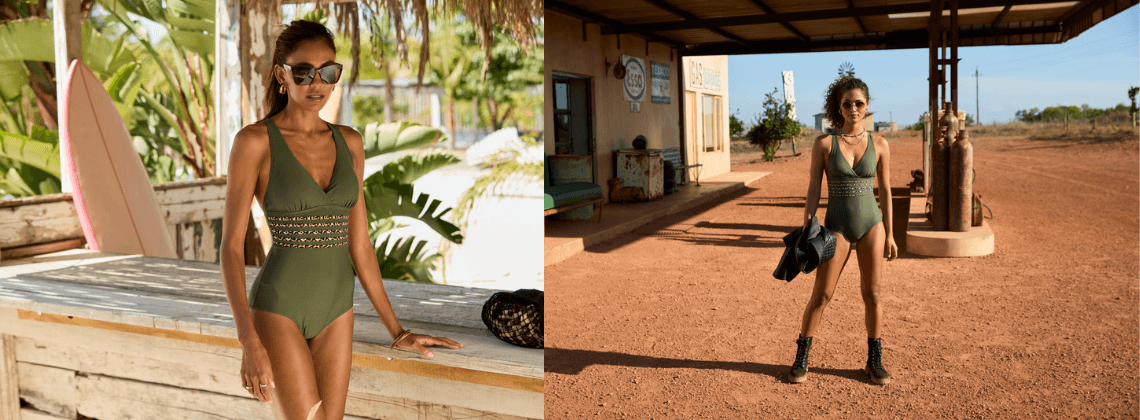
(1095, 68)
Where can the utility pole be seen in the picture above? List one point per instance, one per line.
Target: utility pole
(977, 107)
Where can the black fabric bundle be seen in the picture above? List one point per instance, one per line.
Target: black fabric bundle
(805, 250)
(516, 317)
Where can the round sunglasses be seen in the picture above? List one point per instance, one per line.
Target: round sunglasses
(858, 105)
(303, 75)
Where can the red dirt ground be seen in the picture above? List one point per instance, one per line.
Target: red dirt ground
(683, 319)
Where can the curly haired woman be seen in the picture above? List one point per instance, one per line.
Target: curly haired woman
(851, 158)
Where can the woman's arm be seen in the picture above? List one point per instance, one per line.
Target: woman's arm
(885, 200)
(818, 157)
(363, 254)
(241, 182)
(249, 150)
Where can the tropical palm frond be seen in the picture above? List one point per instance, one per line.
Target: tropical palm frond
(406, 259)
(385, 200)
(500, 175)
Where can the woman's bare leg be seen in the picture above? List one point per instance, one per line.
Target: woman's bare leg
(295, 393)
(869, 252)
(826, 275)
(332, 361)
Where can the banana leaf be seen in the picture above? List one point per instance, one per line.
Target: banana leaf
(28, 39)
(409, 168)
(395, 136)
(35, 152)
(13, 76)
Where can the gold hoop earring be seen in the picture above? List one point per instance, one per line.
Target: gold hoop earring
(281, 90)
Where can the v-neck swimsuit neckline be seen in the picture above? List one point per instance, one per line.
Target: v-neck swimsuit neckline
(336, 159)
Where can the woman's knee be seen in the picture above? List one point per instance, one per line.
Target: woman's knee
(819, 300)
(871, 297)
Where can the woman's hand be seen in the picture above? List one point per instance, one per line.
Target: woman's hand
(256, 374)
(421, 342)
(892, 250)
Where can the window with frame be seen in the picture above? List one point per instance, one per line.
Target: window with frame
(711, 123)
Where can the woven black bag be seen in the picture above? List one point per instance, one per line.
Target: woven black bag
(516, 317)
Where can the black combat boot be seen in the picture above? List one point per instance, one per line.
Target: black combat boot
(879, 375)
(800, 367)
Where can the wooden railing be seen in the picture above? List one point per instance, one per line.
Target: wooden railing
(48, 223)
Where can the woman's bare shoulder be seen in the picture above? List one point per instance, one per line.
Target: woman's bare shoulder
(252, 140)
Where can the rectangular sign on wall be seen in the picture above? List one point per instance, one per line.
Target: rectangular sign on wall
(661, 85)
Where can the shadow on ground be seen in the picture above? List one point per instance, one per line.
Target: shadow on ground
(572, 362)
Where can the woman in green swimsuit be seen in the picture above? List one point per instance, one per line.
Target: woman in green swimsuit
(851, 159)
(296, 324)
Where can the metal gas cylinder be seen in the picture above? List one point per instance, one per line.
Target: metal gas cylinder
(961, 182)
(949, 121)
(939, 194)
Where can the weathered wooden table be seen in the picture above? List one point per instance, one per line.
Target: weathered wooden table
(96, 335)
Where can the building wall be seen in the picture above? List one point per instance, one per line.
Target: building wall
(570, 52)
(706, 76)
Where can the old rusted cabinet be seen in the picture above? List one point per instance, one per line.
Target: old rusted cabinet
(642, 168)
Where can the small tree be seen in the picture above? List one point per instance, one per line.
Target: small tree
(1132, 91)
(775, 126)
(736, 127)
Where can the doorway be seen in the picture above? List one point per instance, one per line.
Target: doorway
(573, 119)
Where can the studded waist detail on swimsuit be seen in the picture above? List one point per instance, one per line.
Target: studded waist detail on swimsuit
(851, 187)
(309, 231)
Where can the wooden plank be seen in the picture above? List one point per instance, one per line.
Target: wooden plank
(9, 383)
(188, 365)
(30, 414)
(39, 222)
(41, 248)
(185, 241)
(48, 389)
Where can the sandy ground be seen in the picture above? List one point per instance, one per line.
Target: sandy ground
(683, 319)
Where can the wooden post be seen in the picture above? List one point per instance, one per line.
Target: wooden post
(67, 24)
(954, 58)
(9, 380)
(259, 24)
(933, 30)
(228, 77)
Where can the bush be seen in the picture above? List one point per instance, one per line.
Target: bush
(775, 126)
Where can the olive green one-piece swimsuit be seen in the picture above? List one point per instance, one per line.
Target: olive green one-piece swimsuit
(851, 206)
(308, 275)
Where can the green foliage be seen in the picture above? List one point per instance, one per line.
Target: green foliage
(395, 136)
(774, 126)
(388, 194)
(403, 262)
(1132, 91)
(735, 126)
(1058, 113)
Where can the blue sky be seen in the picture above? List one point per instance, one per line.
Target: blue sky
(1095, 68)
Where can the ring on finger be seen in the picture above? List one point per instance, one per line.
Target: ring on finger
(250, 388)
(263, 385)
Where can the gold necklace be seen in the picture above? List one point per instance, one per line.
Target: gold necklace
(854, 135)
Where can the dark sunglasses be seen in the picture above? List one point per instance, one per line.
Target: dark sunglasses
(303, 75)
(858, 105)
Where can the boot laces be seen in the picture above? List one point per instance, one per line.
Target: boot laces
(802, 354)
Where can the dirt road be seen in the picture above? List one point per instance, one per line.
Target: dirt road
(683, 319)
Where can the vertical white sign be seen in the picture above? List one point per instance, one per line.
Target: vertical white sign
(790, 92)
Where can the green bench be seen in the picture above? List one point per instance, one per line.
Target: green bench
(570, 191)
